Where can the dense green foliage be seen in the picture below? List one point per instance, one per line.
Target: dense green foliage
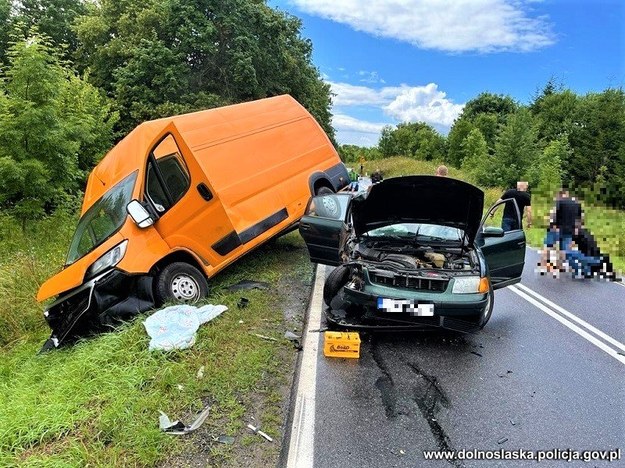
(559, 137)
(163, 57)
(417, 140)
(354, 154)
(75, 75)
(53, 128)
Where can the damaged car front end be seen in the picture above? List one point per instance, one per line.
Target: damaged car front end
(410, 255)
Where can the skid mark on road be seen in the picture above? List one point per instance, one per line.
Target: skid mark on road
(431, 399)
(404, 395)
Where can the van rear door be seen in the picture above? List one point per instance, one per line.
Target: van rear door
(190, 212)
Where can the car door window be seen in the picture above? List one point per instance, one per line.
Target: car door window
(167, 176)
(504, 215)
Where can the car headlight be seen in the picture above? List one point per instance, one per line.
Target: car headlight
(108, 260)
(470, 285)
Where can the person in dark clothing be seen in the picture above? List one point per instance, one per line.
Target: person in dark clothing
(586, 257)
(377, 176)
(523, 201)
(567, 218)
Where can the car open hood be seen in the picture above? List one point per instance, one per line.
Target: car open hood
(420, 199)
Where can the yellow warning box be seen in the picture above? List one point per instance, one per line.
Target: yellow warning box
(341, 344)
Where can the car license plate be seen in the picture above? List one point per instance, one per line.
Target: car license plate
(405, 306)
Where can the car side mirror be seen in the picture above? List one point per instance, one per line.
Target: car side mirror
(139, 214)
(492, 231)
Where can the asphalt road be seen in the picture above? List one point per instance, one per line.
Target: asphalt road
(540, 376)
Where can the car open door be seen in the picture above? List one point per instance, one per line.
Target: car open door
(323, 226)
(504, 250)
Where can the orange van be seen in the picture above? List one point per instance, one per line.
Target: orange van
(179, 199)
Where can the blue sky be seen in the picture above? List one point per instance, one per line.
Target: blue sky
(422, 60)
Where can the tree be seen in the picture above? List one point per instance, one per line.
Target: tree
(53, 18)
(488, 103)
(554, 109)
(476, 161)
(456, 139)
(49, 119)
(516, 151)
(412, 139)
(161, 56)
(597, 141)
(5, 27)
(550, 166)
(386, 144)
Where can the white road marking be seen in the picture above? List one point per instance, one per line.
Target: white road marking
(573, 317)
(567, 323)
(301, 445)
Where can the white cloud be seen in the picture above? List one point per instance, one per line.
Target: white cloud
(424, 104)
(370, 77)
(348, 123)
(448, 25)
(403, 103)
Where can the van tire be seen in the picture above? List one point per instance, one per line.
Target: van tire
(323, 190)
(181, 283)
(335, 281)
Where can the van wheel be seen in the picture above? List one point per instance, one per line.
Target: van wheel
(323, 190)
(180, 282)
(335, 281)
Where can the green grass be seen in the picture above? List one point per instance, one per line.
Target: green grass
(27, 259)
(96, 403)
(605, 224)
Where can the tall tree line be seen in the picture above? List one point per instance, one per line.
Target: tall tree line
(559, 137)
(111, 64)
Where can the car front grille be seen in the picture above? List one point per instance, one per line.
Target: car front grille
(409, 282)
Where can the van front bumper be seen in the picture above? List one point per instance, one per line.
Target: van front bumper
(100, 303)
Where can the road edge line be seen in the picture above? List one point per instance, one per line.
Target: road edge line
(567, 323)
(301, 444)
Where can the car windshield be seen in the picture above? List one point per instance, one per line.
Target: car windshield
(102, 220)
(418, 232)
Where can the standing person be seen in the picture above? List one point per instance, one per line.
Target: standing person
(377, 176)
(524, 202)
(441, 171)
(567, 219)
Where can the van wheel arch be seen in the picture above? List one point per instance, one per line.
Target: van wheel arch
(317, 181)
(322, 187)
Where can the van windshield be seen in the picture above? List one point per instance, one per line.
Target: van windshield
(102, 220)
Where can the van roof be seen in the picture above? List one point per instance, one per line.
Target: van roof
(199, 129)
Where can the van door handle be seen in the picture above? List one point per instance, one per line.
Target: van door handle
(304, 226)
(204, 191)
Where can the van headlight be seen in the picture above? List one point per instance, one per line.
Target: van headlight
(108, 260)
(470, 285)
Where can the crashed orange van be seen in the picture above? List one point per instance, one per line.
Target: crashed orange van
(178, 200)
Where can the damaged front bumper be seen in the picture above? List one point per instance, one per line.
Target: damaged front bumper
(358, 310)
(100, 303)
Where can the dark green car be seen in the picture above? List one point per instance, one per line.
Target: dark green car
(413, 252)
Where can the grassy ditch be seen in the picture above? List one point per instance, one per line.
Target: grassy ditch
(605, 224)
(97, 403)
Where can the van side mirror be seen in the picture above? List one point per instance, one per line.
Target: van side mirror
(492, 231)
(139, 214)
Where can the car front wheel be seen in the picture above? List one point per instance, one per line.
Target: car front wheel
(335, 281)
(180, 282)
